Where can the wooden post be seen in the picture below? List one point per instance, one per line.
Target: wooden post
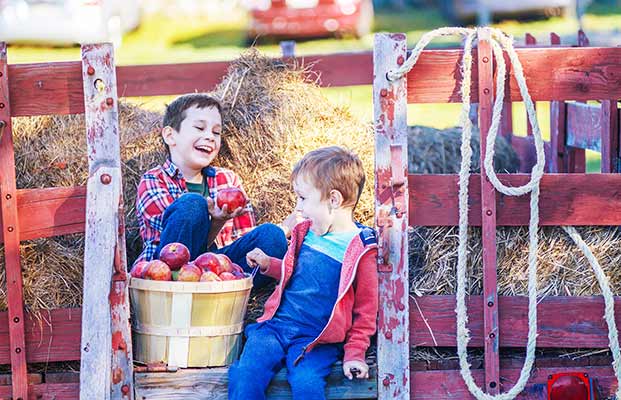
(10, 232)
(576, 158)
(391, 217)
(106, 357)
(488, 211)
(610, 136)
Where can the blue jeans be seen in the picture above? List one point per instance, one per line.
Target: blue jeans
(271, 345)
(187, 220)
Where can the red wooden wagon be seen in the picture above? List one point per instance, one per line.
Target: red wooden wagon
(90, 86)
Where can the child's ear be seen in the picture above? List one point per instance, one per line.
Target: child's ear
(167, 135)
(336, 199)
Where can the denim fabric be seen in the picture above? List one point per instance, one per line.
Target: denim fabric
(271, 345)
(187, 221)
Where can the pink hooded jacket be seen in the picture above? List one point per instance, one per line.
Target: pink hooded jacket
(354, 316)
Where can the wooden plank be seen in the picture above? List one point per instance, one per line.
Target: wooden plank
(530, 41)
(579, 74)
(62, 377)
(488, 217)
(610, 137)
(391, 215)
(565, 199)
(50, 212)
(47, 391)
(46, 88)
(211, 383)
(562, 321)
(52, 336)
(106, 352)
(584, 126)
(10, 230)
(448, 385)
(558, 127)
(5, 379)
(524, 147)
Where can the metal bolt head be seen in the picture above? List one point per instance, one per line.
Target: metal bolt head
(105, 179)
(1, 74)
(18, 350)
(383, 92)
(492, 384)
(485, 59)
(16, 319)
(492, 335)
(109, 101)
(1, 105)
(2, 124)
(90, 70)
(488, 213)
(400, 60)
(125, 389)
(486, 91)
(490, 304)
(8, 197)
(10, 229)
(386, 382)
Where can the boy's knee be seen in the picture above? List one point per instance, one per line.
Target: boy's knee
(191, 206)
(272, 238)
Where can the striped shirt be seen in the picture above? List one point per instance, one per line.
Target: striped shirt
(162, 185)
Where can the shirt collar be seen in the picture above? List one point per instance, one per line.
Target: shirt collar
(174, 172)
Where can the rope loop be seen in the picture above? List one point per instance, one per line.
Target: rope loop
(501, 42)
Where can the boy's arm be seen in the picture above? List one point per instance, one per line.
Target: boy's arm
(152, 199)
(365, 309)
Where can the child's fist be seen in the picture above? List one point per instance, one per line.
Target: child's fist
(357, 369)
(256, 257)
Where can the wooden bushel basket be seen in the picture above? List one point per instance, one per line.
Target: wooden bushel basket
(188, 324)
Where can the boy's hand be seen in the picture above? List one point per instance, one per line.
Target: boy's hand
(223, 213)
(256, 257)
(356, 369)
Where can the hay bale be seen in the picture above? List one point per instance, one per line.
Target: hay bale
(438, 151)
(51, 151)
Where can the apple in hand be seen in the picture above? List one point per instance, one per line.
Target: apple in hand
(232, 197)
(158, 270)
(175, 255)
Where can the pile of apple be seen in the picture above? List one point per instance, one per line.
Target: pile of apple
(175, 265)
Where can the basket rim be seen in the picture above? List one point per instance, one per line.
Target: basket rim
(237, 285)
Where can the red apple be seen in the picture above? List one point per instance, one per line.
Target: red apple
(139, 269)
(227, 276)
(225, 264)
(175, 255)
(208, 262)
(158, 271)
(209, 276)
(232, 197)
(190, 273)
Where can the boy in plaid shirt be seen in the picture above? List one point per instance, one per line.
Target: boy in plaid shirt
(175, 201)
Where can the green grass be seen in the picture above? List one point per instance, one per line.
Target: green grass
(166, 39)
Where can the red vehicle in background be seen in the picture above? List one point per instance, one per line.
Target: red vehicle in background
(310, 18)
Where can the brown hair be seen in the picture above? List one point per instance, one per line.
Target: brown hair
(333, 168)
(176, 111)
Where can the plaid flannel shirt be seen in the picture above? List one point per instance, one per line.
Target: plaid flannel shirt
(160, 186)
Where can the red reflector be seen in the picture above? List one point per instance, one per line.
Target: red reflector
(569, 386)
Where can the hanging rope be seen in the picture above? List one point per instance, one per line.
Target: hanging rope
(500, 41)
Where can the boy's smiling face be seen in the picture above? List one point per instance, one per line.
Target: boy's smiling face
(311, 206)
(198, 140)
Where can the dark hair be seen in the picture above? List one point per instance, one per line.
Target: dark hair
(175, 111)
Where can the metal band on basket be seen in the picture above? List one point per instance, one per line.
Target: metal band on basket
(155, 330)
